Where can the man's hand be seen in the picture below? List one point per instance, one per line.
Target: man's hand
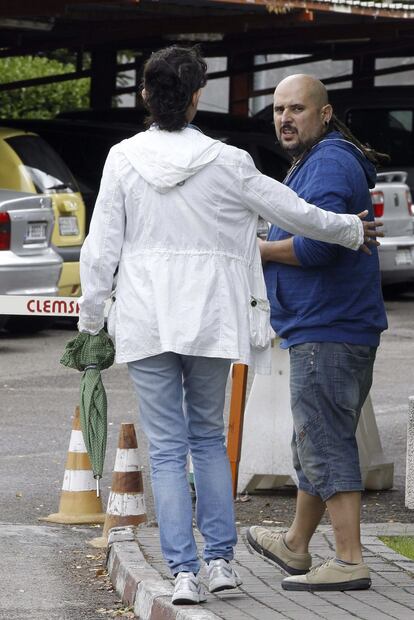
(370, 232)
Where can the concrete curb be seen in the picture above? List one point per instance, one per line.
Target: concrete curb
(141, 586)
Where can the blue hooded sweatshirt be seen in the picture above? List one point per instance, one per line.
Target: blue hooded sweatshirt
(335, 294)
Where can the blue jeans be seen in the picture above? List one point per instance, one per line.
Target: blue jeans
(329, 383)
(181, 401)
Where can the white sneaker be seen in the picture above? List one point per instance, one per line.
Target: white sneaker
(188, 590)
(222, 576)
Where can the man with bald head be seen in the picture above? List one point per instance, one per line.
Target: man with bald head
(326, 305)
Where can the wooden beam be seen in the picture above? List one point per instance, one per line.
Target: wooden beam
(240, 84)
(266, 66)
(236, 419)
(241, 35)
(345, 78)
(363, 71)
(47, 79)
(53, 8)
(330, 7)
(103, 79)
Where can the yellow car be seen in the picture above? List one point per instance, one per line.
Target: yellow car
(29, 164)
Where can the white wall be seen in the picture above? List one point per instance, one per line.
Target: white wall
(269, 79)
(215, 96)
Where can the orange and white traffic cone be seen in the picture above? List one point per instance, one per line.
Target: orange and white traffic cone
(126, 503)
(78, 501)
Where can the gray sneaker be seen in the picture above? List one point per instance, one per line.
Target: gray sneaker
(331, 576)
(188, 590)
(272, 546)
(222, 576)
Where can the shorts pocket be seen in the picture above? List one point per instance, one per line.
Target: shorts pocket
(259, 320)
(353, 377)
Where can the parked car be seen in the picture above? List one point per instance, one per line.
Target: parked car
(29, 164)
(392, 202)
(28, 263)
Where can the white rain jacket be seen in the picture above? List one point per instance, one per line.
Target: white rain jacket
(177, 212)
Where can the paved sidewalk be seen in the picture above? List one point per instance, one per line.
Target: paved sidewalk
(138, 572)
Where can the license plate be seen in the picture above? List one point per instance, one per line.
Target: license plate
(68, 225)
(36, 231)
(404, 257)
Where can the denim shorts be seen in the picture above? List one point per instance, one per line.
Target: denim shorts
(329, 383)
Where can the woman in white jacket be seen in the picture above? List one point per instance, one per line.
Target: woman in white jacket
(177, 215)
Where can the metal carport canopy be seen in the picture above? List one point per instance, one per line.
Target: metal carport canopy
(224, 27)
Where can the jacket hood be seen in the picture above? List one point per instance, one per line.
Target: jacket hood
(337, 139)
(166, 159)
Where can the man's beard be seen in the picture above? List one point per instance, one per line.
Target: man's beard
(297, 150)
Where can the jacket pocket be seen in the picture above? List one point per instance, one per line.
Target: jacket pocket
(259, 319)
(111, 320)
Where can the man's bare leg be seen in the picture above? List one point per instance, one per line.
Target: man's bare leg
(344, 510)
(309, 512)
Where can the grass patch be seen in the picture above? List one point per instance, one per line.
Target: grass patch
(404, 545)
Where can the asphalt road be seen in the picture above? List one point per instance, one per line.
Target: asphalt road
(49, 571)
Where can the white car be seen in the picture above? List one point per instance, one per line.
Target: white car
(28, 263)
(391, 199)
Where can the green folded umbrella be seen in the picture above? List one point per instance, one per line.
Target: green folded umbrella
(91, 354)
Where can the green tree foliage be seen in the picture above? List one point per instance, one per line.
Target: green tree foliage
(44, 101)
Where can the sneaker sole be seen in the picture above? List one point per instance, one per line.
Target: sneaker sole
(227, 586)
(356, 584)
(188, 601)
(274, 558)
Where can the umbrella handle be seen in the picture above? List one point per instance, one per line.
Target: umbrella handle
(98, 489)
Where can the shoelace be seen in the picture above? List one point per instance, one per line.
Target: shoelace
(316, 569)
(275, 535)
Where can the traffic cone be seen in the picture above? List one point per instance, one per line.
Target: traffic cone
(126, 503)
(78, 501)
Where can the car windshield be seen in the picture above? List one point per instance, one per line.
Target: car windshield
(47, 170)
(386, 130)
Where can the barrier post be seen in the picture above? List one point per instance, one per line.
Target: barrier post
(409, 474)
(235, 430)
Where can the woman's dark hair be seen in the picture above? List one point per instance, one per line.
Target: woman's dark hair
(171, 77)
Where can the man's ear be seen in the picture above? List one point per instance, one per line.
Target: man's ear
(327, 113)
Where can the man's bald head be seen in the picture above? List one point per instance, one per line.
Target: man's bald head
(307, 83)
(301, 112)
